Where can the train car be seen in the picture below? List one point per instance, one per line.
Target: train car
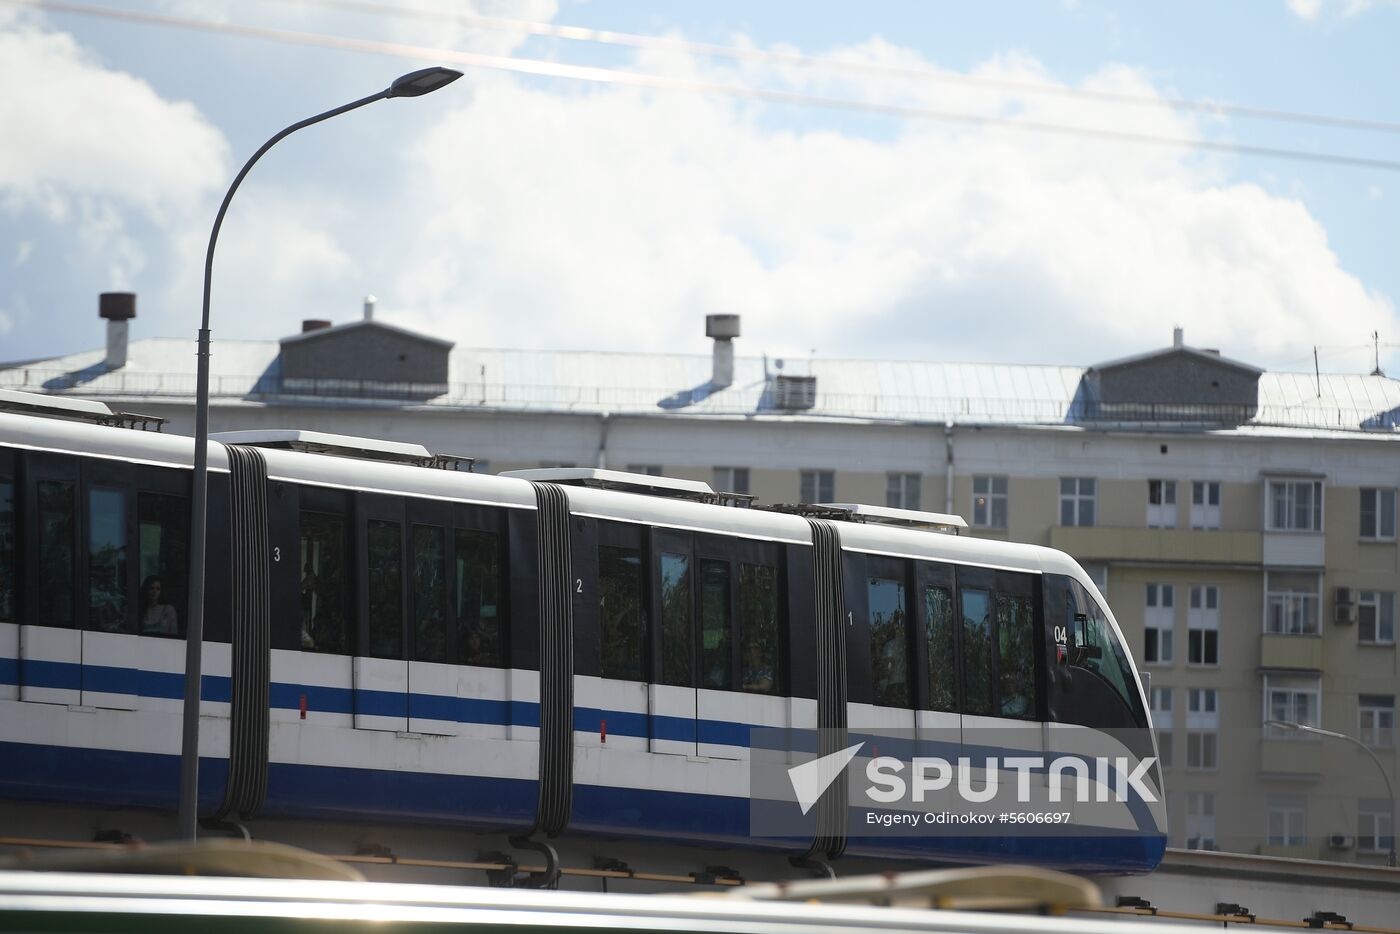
(562, 652)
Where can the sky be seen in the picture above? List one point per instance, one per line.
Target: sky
(522, 210)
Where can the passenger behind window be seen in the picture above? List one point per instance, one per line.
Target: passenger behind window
(158, 618)
(309, 584)
(758, 673)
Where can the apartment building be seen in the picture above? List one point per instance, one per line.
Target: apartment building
(1242, 523)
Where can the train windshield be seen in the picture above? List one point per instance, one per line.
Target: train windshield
(1093, 683)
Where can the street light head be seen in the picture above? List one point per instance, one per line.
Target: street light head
(418, 83)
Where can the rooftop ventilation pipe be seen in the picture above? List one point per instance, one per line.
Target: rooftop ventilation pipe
(722, 329)
(369, 307)
(118, 308)
(1178, 337)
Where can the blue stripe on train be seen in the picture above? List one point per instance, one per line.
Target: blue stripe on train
(124, 779)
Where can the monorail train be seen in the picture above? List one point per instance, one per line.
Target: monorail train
(572, 652)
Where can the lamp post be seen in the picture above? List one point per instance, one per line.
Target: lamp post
(1300, 728)
(414, 84)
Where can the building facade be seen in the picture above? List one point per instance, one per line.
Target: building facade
(1241, 523)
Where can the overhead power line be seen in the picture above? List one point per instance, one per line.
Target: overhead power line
(881, 69)
(597, 75)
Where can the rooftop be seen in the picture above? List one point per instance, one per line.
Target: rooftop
(162, 370)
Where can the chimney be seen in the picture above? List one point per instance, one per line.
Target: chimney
(369, 307)
(118, 308)
(723, 329)
(1178, 337)
(314, 324)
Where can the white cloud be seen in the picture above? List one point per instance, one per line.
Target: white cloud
(96, 131)
(1312, 10)
(618, 218)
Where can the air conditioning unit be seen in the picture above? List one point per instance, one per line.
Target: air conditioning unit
(794, 392)
(1344, 609)
(1339, 841)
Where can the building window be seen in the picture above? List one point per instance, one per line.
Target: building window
(1159, 625)
(1375, 826)
(1200, 820)
(1292, 700)
(1375, 616)
(1293, 604)
(1295, 506)
(1202, 729)
(1376, 720)
(1205, 504)
(732, 479)
(1161, 504)
(1288, 821)
(1161, 705)
(989, 502)
(818, 486)
(1378, 514)
(1203, 626)
(902, 490)
(1077, 500)
(649, 470)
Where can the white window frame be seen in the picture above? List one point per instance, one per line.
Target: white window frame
(903, 490)
(1161, 504)
(816, 485)
(731, 480)
(1282, 500)
(1203, 616)
(1289, 611)
(1202, 729)
(1291, 811)
(1381, 607)
(1200, 820)
(1292, 699)
(1375, 720)
(1079, 501)
(1382, 514)
(1160, 703)
(1375, 825)
(988, 493)
(1159, 616)
(1205, 504)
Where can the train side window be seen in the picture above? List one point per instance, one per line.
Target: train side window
(759, 648)
(385, 540)
(325, 622)
(977, 656)
(1015, 619)
(620, 620)
(429, 594)
(162, 533)
(56, 555)
(480, 613)
(7, 550)
(715, 646)
(941, 641)
(677, 629)
(107, 560)
(889, 642)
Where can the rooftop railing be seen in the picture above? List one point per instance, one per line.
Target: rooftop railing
(740, 400)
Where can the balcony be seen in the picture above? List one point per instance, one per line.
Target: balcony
(1295, 549)
(1168, 546)
(1290, 653)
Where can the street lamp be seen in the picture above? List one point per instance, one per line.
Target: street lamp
(414, 84)
(1300, 728)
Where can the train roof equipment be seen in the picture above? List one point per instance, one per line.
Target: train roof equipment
(83, 410)
(320, 442)
(876, 515)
